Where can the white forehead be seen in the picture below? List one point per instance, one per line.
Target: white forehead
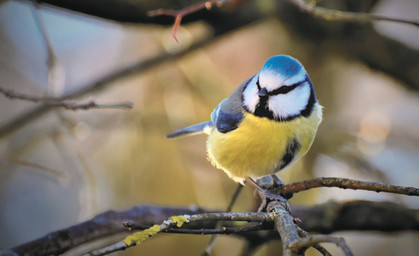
(271, 79)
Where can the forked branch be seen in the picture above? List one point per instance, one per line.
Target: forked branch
(179, 14)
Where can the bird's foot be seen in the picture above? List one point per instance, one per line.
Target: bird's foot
(267, 196)
(262, 189)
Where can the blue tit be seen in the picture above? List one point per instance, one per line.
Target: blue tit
(267, 124)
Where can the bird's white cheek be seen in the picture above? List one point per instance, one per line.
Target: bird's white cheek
(250, 97)
(292, 103)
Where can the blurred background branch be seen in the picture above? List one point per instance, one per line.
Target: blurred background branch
(59, 102)
(100, 84)
(56, 74)
(336, 15)
(391, 57)
(348, 40)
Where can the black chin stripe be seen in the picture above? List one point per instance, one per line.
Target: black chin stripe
(262, 109)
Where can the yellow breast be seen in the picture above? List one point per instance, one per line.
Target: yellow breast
(257, 146)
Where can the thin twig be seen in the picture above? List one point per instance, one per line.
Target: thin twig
(347, 184)
(221, 231)
(316, 239)
(328, 14)
(179, 14)
(232, 216)
(207, 231)
(119, 246)
(58, 102)
(56, 74)
(308, 240)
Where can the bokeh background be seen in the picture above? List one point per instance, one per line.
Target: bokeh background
(64, 167)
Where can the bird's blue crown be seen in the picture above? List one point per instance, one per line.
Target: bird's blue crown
(285, 65)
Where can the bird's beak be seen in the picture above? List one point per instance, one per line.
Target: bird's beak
(263, 92)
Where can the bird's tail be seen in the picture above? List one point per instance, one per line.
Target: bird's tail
(191, 130)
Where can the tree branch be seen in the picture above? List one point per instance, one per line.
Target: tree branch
(290, 233)
(59, 102)
(284, 224)
(346, 184)
(105, 224)
(179, 221)
(324, 218)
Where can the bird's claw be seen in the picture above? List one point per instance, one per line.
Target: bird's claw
(262, 189)
(267, 196)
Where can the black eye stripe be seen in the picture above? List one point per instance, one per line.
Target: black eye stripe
(282, 89)
(285, 89)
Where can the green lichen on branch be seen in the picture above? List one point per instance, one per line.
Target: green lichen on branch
(139, 237)
(179, 220)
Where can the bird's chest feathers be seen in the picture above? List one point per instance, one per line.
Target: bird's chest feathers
(258, 145)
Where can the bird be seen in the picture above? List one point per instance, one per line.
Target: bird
(267, 124)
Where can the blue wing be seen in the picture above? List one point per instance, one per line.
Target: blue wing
(226, 117)
(225, 121)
